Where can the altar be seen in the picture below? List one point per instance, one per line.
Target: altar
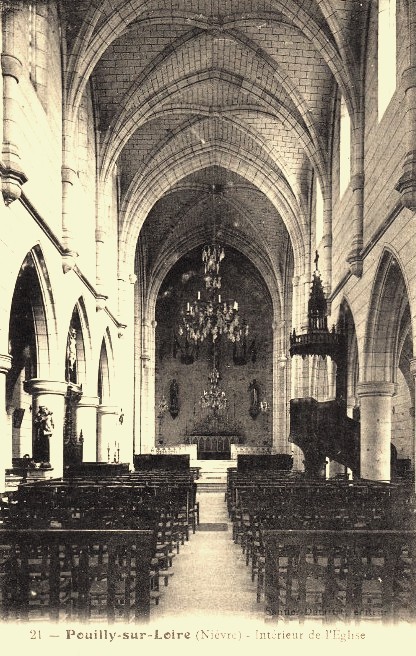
(213, 447)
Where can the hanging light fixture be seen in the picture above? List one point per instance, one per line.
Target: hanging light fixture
(210, 315)
(214, 398)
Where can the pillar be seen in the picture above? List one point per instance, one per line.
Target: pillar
(5, 434)
(147, 392)
(355, 257)
(100, 263)
(12, 175)
(280, 395)
(107, 433)
(69, 178)
(375, 412)
(406, 185)
(327, 243)
(51, 394)
(86, 422)
(413, 372)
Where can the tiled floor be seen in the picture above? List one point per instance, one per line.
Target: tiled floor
(210, 575)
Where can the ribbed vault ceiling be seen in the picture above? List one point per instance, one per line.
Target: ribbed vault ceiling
(238, 94)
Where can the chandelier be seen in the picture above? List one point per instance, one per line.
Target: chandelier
(214, 398)
(212, 256)
(212, 317)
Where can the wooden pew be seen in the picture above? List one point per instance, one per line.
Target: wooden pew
(75, 574)
(340, 575)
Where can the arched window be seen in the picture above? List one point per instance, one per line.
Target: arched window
(344, 148)
(319, 215)
(386, 56)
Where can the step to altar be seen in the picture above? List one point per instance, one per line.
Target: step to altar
(213, 474)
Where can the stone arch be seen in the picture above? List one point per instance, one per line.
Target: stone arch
(388, 309)
(91, 43)
(348, 376)
(104, 384)
(144, 200)
(32, 345)
(81, 345)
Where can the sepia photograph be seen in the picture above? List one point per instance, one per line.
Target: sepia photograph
(207, 325)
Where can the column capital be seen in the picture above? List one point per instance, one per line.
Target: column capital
(5, 363)
(108, 410)
(69, 258)
(11, 65)
(412, 363)
(357, 181)
(68, 175)
(409, 78)
(88, 402)
(282, 360)
(375, 388)
(37, 386)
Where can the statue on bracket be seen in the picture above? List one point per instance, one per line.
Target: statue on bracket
(174, 399)
(254, 391)
(71, 356)
(43, 425)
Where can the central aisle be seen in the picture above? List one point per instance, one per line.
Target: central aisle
(210, 574)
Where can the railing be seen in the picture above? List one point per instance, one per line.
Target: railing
(178, 449)
(237, 450)
(77, 574)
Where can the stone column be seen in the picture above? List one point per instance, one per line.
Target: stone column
(69, 180)
(147, 418)
(355, 258)
(6, 436)
(11, 171)
(86, 422)
(375, 412)
(280, 395)
(107, 432)
(413, 372)
(406, 186)
(100, 263)
(51, 394)
(327, 243)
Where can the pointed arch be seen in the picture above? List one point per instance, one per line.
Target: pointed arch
(105, 369)
(78, 350)
(347, 379)
(32, 343)
(32, 324)
(389, 311)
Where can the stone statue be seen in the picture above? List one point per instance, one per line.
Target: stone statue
(71, 356)
(43, 424)
(174, 399)
(254, 409)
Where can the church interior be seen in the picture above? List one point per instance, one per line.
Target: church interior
(208, 307)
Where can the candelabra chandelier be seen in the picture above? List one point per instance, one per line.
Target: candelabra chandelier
(214, 398)
(212, 316)
(212, 256)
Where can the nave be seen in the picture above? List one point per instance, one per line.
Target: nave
(210, 575)
(240, 541)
